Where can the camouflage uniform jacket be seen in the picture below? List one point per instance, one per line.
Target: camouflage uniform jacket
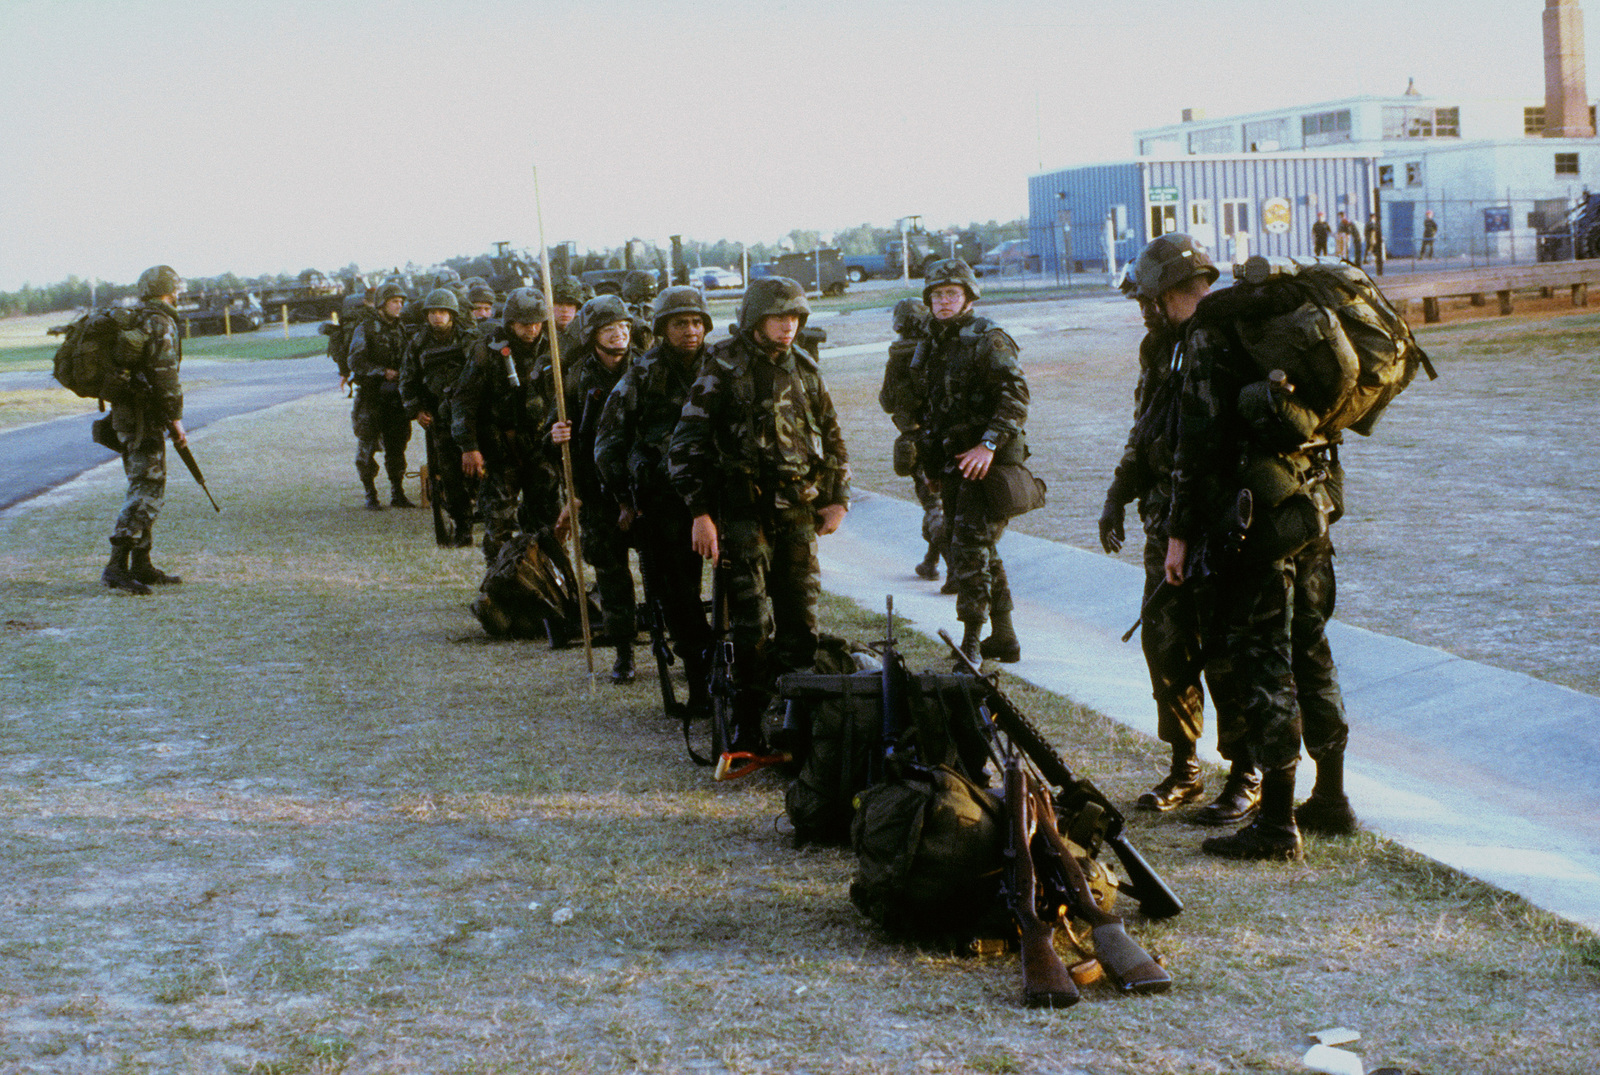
(352, 316)
(432, 367)
(157, 397)
(637, 423)
(488, 415)
(376, 344)
(1145, 471)
(975, 391)
(587, 385)
(783, 449)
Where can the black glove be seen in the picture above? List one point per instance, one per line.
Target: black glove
(1111, 532)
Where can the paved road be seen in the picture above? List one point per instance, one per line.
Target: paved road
(39, 457)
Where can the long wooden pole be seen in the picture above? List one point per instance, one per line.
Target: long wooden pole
(561, 415)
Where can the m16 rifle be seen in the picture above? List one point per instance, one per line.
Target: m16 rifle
(434, 486)
(182, 448)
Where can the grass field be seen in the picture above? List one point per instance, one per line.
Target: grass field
(299, 815)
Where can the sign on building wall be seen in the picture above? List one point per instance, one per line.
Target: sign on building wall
(1275, 215)
(1497, 218)
(1163, 195)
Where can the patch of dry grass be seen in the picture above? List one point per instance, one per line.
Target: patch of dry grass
(297, 815)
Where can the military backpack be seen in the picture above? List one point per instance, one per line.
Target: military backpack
(96, 359)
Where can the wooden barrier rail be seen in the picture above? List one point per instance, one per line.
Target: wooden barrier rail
(1478, 284)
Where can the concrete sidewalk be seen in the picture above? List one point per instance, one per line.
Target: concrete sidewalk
(1492, 772)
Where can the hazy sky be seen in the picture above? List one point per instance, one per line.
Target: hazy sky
(278, 135)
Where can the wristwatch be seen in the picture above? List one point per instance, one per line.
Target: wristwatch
(988, 442)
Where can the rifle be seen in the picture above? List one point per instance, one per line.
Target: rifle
(1129, 965)
(1046, 982)
(1201, 566)
(649, 565)
(441, 535)
(194, 469)
(1094, 818)
(893, 695)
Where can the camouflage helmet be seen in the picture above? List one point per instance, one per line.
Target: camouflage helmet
(442, 298)
(638, 287)
(475, 281)
(566, 288)
(1169, 260)
(950, 271)
(390, 290)
(478, 294)
(769, 295)
(525, 306)
(446, 276)
(679, 300)
(158, 281)
(910, 317)
(600, 311)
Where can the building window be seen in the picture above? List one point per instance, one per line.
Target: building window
(1385, 175)
(1326, 128)
(1414, 122)
(1413, 173)
(1213, 140)
(1266, 136)
(1533, 121)
(1566, 164)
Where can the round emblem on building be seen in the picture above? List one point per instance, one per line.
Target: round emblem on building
(1275, 215)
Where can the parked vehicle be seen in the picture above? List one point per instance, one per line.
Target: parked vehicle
(711, 277)
(804, 269)
(1009, 257)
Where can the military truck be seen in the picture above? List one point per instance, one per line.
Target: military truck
(505, 269)
(312, 297)
(805, 270)
(926, 248)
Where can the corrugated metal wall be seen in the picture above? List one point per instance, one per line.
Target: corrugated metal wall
(1221, 187)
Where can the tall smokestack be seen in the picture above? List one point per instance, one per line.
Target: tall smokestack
(1566, 96)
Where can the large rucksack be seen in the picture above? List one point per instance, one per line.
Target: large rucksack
(95, 360)
(528, 592)
(1343, 350)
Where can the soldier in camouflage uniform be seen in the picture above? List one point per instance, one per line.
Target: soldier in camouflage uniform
(589, 376)
(1169, 278)
(380, 420)
(631, 452)
(501, 443)
(481, 298)
(141, 418)
(433, 364)
(355, 311)
(901, 397)
(638, 289)
(566, 292)
(1273, 599)
(972, 418)
(759, 459)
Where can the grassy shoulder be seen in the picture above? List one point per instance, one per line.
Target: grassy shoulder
(299, 815)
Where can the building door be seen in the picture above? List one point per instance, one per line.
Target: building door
(1163, 220)
(1399, 229)
(1202, 229)
(1236, 227)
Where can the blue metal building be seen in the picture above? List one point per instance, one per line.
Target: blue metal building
(1254, 203)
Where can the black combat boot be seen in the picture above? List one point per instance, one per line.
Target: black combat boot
(1183, 784)
(970, 644)
(745, 735)
(118, 576)
(140, 567)
(463, 534)
(397, 495)
(371, 486)
(929, 568)
(1273, 834)
(622, 667)
(1241, 794)
(1002, 644)
(950, 585)
(1327, 812)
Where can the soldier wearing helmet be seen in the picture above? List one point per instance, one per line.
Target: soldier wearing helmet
(1169, 278)
(760, 462)
(901, 398)
(971, 419)
(501, 442)
(631, 453)
(481, 297)
(433, 363)
(141, 421)
(379, 418)
(590, 373)
(566, 292)
(638, 289)
(1269, 619)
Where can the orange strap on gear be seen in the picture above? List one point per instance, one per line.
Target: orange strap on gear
(734, 764)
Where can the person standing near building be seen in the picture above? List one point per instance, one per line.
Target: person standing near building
(760, 462)
(1169, 279)
(141, 418)
(379, 419)
(1430, 228)
(1374, 240)
(1349, 240)
(1319, 235)
(972, 418)
(630, 450)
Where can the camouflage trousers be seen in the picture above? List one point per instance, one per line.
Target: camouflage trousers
(515, 494)
(933, 527)
(456, 491)
(144, 461)
(975, 565)
(1273, 621)
(605, 547)
(771, 580)
(380, 425)
(1173, 639)
(673, 574)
